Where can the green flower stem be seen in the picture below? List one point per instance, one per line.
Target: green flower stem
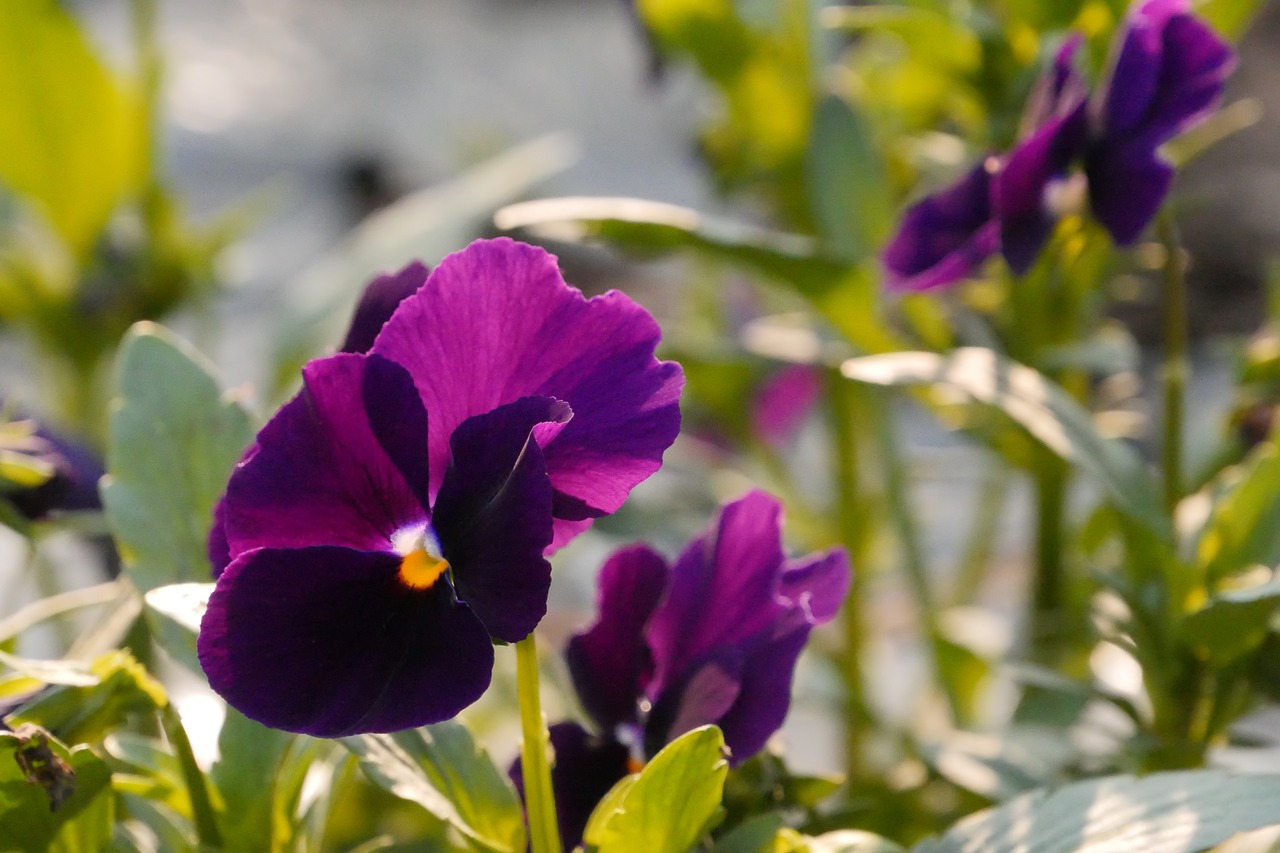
(853, 532)
(540, 802)
(202, 811)
(1175, 368)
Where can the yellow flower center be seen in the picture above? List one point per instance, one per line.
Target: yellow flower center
(420, 570)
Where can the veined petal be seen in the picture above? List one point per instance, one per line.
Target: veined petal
(379, 301)
(944, 237)
(493, 515)
(328, 641)
(341, 463)
(496, 322)
(610, 662)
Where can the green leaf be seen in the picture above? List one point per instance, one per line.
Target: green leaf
(848, 188)
(249, 759)
(174, 438)
(71, 136)
(757, 834)
(174, 613)
(672, 802)
(1240, 532)
(83, 714)
(850, 841)
(1046, 411)
(1163, 813)
(658, 228)
(82, 823)
(443, 769)
(1234, 622)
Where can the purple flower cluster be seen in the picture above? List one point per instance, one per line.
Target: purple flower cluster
(1167, 74)
(391, 521)
(712, 639)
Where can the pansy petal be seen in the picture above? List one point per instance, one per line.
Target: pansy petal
(493, 515)
(702, 697)
(784, 402)
(379, 301)
(321, 474)
(813, 589)
(609, 661)
(1126, 187)
(764, 695)
(944, 237)
(585, 768)
(496, 322)
(722, 588)
(327, 641)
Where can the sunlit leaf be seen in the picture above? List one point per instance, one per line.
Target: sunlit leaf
(442, 769)
(1233, 622)
(174, 612)
(1162, 813)
(1040, 406)
(174, 438)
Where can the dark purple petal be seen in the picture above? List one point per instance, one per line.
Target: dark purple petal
(610, 661)
(701, 697)
(1057, 138)
(784, 402)
(321, 474)
(944, 237)
(813, 588)
(764, 695)
(327, 641)
(378, 302)
(722, 589)
(74, 484)
(585, 768)
(217, 547)
(1127, 184)
(493, 515)
(1168, 74)
(495, 323)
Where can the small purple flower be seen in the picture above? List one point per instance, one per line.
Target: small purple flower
(393, 517)
(1168, 74)
(74, 482)
(784, 402)
(712, 639)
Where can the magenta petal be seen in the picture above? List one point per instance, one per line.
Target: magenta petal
(784, 402)
(320, 474)
(326, 641)
(764, 695)
(609, 661)
(379, 301)
(944, 237)
(495, 323)
(701, 697)
(493, 515)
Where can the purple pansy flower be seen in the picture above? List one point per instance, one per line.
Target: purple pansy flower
(393, 517)
(1168, 74)
(75, 473)
(713, 638)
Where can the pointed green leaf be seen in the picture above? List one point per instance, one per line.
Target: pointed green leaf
(443, 769)
(71, 136)
(1163, 813)
(1234, 622)
(1240, 532)
(672, 802)
(848, 188)
(174, 439)
(1040, 406)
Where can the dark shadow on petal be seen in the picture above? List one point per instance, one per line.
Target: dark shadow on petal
(379, 301)
(326, 641)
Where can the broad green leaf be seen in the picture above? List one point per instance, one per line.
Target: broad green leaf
(82, 823)
(1234, 622)
(71, 136)
(174, 438)
(1046, 411)
(174, 613)
(441, 768)
(609, 806)
(848, 187)
(659, 228)
(674, 799)
(1177, 812)
(757, 834)
(249, 759)
(1241, 531)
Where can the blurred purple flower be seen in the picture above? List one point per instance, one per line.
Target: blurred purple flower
(1168, 73)
(784, 402)
(74, 483)
(392, 518)
(712, 639)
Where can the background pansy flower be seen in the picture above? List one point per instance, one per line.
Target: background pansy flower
(368, 569)
(713, 638)
(1168, 74)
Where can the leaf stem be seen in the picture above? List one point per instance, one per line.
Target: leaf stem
(540, 802)
(202, 810)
